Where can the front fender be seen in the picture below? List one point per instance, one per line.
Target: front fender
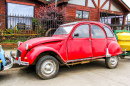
(114, 48)
(32, 55)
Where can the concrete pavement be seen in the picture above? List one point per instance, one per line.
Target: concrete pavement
(92, 74)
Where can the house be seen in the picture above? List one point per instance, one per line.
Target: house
(106, 11)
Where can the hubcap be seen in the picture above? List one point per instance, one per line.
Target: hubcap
(113, 60)
(48, 67)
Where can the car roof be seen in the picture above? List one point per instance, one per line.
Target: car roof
(73, 23)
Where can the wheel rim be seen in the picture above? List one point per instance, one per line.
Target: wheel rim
(48, 67)
(113, 60)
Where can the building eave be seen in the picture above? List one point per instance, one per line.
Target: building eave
(58, 2)
(124, 4)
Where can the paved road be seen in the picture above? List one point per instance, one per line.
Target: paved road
(92, 74)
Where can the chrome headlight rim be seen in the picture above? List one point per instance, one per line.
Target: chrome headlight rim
(18, 43)
(26, 46)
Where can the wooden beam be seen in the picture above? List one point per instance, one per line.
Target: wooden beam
(86, 3)
(94, 3)
(99, 1)
(99, 14)
(124, 5)
(46, 2)
(103, 4)
(110, 5)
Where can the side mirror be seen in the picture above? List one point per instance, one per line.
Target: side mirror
(76, 34)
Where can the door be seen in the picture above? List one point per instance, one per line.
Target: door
(79, 45)
(98, 41)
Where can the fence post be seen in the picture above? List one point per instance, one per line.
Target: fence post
(38, 28)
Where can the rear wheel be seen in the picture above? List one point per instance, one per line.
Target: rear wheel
(47, 67)
(112, 62)
(122, 56)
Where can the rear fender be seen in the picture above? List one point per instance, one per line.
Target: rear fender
(2, 57)
(36, 51)
(114, 48)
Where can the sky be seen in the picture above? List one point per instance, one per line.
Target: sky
(128, 4)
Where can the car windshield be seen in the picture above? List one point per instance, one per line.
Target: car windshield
(63, 30)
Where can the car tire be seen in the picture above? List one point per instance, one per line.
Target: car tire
(112, 62)
(122, 56)
(47, 67)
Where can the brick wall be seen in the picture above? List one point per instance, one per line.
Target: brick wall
(2, 5)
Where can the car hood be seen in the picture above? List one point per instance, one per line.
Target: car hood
(42, 40)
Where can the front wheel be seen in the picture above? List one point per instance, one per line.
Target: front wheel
(112, 62)
(47, 67)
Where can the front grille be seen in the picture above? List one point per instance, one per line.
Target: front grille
(18, 54)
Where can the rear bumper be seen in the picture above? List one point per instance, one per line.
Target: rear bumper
(8, 66)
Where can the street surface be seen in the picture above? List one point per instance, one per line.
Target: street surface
(92, 74)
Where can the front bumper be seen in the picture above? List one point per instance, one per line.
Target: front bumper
(19, 60)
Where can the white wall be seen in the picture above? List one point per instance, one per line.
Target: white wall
(77, 2)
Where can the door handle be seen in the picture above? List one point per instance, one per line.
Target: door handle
(90, 40)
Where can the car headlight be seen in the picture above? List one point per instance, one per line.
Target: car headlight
(26, 46)
(19, 43)
(0, 48)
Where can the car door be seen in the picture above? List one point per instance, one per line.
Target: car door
(79, 44)
(98, 41)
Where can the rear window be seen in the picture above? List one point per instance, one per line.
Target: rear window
(108, 32)
(97, 32)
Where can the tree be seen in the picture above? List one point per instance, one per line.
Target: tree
(50, 17)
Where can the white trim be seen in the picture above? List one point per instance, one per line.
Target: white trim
(107, 53)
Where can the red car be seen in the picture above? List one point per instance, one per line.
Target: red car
(72, 43)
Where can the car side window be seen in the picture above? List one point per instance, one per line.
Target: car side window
(97, 32)
(81, 31)
(108, 32)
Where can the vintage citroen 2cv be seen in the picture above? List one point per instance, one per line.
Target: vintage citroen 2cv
(72, 43)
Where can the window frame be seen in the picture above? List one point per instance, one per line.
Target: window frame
(20, 3)
(100, 28)
(82, 14)
(106, 32)
(79, 26)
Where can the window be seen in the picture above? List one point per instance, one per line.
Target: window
(82, 14)
(77, 2)
(19, 10)
(108, 32)
(63, 30)
(97, 32)
(82, 31)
